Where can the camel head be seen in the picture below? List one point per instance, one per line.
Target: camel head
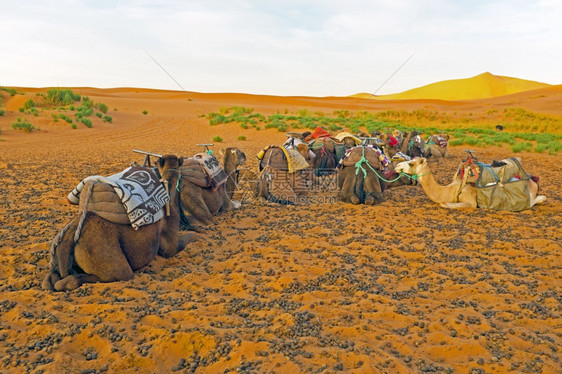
(304, 150)
(233, 157)
(168, 163)
(416, 167)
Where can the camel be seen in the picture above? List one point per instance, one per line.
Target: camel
(357, 179)
(458, 194)
(412, 144)
(436, 146)
(232, 159)
(108, 252)
(325, 160)
(279, 182)
(203, 196)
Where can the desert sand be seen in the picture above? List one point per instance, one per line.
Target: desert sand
(400, 287)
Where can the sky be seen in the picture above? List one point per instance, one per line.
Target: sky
(284, 48)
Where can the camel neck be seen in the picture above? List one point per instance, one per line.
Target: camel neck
(434, 191)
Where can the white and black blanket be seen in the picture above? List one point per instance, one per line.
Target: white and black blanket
(140, 191)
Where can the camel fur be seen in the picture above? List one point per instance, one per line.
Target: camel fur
(108, 252)
(357, 186)
(232, 159)
(200, 203)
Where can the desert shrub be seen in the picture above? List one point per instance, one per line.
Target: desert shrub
(145, 112)
(107, 118)
(11, 91)
(23, 125)
(99, 115)
(57, 96)
(554, 147)
(217, 139)
(1, 112)
(87, 122)
(101, 107)
(541, 147)
(65, 117)
(74, 126)
(521, 146)
(29, 104)
(55, 117)
(241, 138)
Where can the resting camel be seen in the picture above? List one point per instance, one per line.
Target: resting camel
(106, 251)
(202, 198)
(280, 183)
(232, 159)
(458, 194)
(436, 146)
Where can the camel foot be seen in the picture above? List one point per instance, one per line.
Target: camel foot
(354, 200)
(540, 199)
(370, 200)
(50, 280)
(72, 282)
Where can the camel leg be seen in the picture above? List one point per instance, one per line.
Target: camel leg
(348, 187)
(464, 204)
(74, 281)
(372, 190)
(193, 202)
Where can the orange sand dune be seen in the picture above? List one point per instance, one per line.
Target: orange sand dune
(481, 86)
(401, 287)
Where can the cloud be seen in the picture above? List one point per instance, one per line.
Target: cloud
(277, 47)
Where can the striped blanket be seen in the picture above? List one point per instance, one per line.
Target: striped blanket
(138, 188)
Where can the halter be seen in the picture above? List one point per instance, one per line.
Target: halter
(417, 176)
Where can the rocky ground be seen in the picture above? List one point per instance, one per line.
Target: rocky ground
(404, 286)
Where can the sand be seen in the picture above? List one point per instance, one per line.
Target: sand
(404, 286)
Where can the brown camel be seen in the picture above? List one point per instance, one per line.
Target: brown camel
(232, 159)
(202, 197)
(279, 183)
(106, 251)
(357, 179)
(458, 194)
(436, 146)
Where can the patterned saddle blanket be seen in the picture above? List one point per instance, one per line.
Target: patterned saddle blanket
(138, 189)
(204, 170)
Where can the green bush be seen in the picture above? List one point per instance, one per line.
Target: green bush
(87, 122)
(99, 115)
(1, 112)
(144, 112)
(217, 139)
(241, 138)
(101, 107)
(521, 146)
(57, 96)
(23, 125)
(107, 118)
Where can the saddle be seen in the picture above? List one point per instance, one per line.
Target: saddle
(204, 171)
(503, 185)
(439, 140)
(135, 196)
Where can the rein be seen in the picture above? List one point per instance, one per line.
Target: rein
(359, 166)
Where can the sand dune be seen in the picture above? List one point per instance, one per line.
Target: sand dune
(401, 287)
(482, 86)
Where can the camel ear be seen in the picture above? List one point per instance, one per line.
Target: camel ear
(422, 161)
(161, 162)
(221, 153)
(180, 161)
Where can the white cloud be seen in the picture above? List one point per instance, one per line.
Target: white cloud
(277, 47)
